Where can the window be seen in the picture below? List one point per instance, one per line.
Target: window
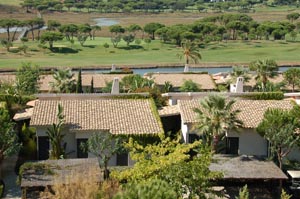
(43, 146)
(232, 145)
(80, 152)
(122, 159)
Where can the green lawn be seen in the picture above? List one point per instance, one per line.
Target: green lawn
(11, 2)
(94, 54)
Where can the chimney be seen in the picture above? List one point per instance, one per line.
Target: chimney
(113, 68)
(115, 89)
(238, 87)
(186, 68)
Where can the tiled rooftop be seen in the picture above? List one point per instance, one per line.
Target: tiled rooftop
(252, 111)
(118, 116)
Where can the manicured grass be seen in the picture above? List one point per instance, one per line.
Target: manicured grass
(94, 54)
(11, 2)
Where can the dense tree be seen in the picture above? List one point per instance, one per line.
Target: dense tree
(293, 16)
(56, 136)
(79, 83)
(53, 25)
(104, 146)
(264, 69)
(170, 161)
(64, 81)
(94, 30)
(279, 127)
(150, 28)
(51, 37)
(292, 77)
(190, 86)
(35, 23)
(27, 78)
(116, 32)
(216, 116)
(69, 30)
(8, 24)
(134, 28)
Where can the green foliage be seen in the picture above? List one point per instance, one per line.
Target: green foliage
(63, 81)
(284, 195)
(92, 86)
(79, 83)
(8, 138)
(170, 161)
(264, 96)
(190, 86)
(279, 127)
(239, 71)
(27, 78)
(150, 28)
(56, 137)
(292, 77)
(28, 139)
(51, 37)
(264, 69)
(243, 193)
(215, 117)
(103, 145)
(190, 51)
(153, 189)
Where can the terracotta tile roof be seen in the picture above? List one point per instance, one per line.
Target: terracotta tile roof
(252, 111)
(23, 115)
(169, 111)
(99, 79)
(119, 116)
(177, 79)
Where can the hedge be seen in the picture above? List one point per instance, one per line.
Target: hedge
(264, 96)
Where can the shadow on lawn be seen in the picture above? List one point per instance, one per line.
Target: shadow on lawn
(131, 47)
(64, 50)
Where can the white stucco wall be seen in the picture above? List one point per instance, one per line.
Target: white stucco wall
(250, 142)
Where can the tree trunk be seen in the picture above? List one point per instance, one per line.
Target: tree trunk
(32, 33)
(215, 143)
(8, 34)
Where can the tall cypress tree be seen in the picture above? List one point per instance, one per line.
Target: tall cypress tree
(79, 83)
(92, 85)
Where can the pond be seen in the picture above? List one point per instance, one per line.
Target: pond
(105, 21)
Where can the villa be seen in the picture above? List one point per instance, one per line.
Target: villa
(88, 114)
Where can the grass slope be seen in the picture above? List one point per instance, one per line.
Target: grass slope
(11, 2)
(94, 54)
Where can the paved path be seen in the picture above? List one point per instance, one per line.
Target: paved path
(12, 190)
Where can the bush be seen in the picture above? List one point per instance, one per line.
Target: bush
(153, 189)
(264, 96)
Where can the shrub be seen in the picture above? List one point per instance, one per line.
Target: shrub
(264, 96)
(243, 193)
(153, 189)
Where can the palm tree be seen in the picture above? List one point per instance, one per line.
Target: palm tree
(64, 81)
(216, 116)
(56, 137)
(239, 71)
(264, 69)
(190, 51)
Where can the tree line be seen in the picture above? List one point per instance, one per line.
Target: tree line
(149, 5)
